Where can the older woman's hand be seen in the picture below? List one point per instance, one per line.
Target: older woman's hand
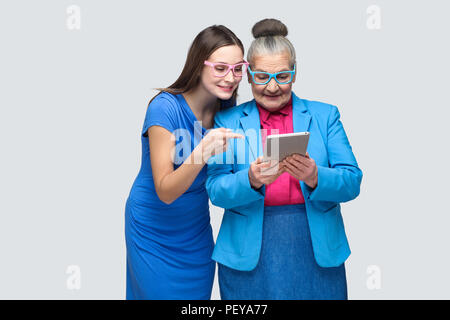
(261, 173)
(302, 168)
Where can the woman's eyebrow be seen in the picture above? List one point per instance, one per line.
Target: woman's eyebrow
(230, 63)
(280, 70)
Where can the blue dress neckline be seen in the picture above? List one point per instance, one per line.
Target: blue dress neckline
(189, 110)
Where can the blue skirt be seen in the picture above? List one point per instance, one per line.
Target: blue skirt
(286, 268)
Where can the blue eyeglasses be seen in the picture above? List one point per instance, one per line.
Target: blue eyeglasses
(282, 77)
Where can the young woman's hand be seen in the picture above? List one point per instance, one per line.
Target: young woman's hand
(216, 142)
(170, 183)
(302, 168)
(263, 173)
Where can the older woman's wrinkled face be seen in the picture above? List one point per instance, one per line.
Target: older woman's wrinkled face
(271, 96)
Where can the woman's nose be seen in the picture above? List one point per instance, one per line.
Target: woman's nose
(229, 77)
(272, 85)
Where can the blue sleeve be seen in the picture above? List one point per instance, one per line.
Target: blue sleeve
(340, 182)
(160, 112)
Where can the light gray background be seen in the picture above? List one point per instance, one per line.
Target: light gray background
(73, 103)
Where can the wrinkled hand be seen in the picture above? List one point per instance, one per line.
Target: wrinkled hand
(302, 168)
(261, 173)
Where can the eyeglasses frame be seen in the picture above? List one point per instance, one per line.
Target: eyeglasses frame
(271, 75)
(230, 67)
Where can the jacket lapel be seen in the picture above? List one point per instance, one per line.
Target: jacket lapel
(251, 125)
(301, 118)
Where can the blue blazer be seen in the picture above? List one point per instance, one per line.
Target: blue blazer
(238, 243)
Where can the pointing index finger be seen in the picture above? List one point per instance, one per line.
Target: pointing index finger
(233, 135)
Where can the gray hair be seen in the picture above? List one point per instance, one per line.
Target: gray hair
(270, 45)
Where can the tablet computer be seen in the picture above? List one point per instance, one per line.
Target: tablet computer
(279, 146)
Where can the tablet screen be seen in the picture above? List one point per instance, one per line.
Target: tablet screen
(279, 146)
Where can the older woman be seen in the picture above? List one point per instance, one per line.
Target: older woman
(282, 234)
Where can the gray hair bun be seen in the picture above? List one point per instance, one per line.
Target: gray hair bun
(269, 28)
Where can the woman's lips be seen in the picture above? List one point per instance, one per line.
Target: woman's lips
(226, 88)
(272, 97)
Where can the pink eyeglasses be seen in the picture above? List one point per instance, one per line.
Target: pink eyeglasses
(221, 69)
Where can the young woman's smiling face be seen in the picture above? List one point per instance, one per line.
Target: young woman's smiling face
(271, 96)
(222, 87)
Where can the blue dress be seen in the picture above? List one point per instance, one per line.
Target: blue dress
(169, 247)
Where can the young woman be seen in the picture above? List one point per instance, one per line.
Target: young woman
(167, 228)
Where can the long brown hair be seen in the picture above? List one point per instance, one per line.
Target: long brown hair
(204, 44)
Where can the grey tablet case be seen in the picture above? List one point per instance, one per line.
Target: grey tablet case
(286, 144)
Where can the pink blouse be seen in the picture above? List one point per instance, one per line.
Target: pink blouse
(286, 189)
